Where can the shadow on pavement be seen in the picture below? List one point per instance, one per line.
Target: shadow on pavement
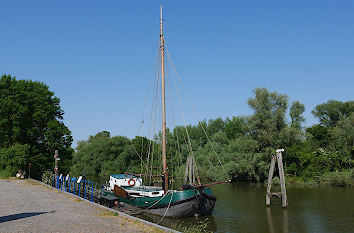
(21, 215)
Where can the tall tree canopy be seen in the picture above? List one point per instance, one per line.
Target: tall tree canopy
(332, 111)
(296, 111)
(31, 127)
(268, 122)
(102, 155)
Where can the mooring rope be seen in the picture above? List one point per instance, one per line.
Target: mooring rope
(166, 209)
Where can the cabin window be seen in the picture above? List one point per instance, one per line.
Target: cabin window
(155, 192)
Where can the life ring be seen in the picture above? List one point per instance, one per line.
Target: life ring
(130, 182)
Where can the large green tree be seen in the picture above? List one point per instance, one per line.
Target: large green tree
(332, 111)
(30, 115)
(102, 155)
(267, 124)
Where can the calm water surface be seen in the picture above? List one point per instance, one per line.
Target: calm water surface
(241, 208)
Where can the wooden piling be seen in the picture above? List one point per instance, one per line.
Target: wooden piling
(56, 158)
(278, 157)
(190, 171)
(187, 171)
(282, 179)
(270, 176)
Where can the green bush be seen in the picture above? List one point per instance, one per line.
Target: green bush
(13, 158)
(48, 177)
(338, 178)
(4, 174)
(276, 180)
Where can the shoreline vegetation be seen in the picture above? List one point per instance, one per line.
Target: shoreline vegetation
(237, 148)
(336, 178)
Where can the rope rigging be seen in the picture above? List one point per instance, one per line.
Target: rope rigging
(151, 146)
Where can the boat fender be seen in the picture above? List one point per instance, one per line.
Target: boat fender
(131, 182)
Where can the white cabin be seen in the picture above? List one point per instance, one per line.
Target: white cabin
(124, 180)
(134, 186)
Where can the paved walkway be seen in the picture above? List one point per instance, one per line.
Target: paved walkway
(26, 206)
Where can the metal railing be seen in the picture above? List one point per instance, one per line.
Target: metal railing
(79, 187)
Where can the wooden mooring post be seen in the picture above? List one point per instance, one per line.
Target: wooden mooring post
(282, 194)
(191, 172)
(56, 158)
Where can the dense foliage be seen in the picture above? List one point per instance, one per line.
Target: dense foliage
(31, 127)
(329, 146)
(239, 148)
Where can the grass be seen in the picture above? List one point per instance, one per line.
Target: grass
(29, 181)
(106, 213)
(142, 227)
(77, 200)
(201, 226)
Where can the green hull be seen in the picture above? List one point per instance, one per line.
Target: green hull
(185, 203)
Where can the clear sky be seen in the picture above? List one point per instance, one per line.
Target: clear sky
(98, 56)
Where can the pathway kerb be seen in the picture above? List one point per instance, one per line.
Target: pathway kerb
(112, 210)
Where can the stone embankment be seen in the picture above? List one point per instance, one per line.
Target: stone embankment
(29, 206)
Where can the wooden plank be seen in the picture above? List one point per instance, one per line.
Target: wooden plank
(119, 192)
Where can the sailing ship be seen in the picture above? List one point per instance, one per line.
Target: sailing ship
(192, 199)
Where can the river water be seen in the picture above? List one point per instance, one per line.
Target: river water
(240, 207)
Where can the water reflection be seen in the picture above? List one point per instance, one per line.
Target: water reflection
(270, 221)
(284, 215)
(240, 207)
(285, 220)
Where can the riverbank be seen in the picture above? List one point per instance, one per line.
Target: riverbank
(29, 206)
(336, 179)
(339, 179)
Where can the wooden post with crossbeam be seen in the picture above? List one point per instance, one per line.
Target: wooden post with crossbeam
(277, 158)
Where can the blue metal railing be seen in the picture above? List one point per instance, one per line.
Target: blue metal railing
(71, 185)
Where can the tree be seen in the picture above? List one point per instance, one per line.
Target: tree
(295, 132)
(320, 135)
(236, 127)
(30, 115)
(343, 140)
(268, 121)
(332, 111)
(102, 155)
(296, 111)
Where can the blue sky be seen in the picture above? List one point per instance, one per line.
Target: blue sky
(98, 56)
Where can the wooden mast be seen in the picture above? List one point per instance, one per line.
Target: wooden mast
(162, 49)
